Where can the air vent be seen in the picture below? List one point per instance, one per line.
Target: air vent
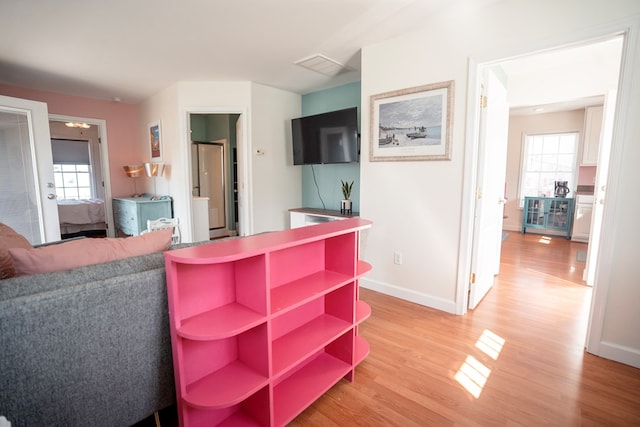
(323, 65)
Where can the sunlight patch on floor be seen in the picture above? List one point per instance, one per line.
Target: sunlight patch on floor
(545, 239)
(490, 344)
(473, 374)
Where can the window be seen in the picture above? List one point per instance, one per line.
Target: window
(546, 159)
(72, 181)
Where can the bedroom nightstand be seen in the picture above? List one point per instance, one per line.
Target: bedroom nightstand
(130, 214)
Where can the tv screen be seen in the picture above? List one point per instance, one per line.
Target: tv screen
(326, 138)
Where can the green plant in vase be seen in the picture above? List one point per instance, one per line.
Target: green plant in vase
(345, 204)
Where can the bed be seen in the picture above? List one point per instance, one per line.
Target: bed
(81, 218)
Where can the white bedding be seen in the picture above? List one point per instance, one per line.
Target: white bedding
(81, 211)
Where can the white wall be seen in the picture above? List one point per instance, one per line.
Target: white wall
(264, 113)
(276, 184)
(417, 207)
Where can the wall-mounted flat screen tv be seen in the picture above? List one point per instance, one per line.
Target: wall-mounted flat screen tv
(326, 138)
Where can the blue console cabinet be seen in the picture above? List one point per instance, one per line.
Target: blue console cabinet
(549, 213)
(130, 214)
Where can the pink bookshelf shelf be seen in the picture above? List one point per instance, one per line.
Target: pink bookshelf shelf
(239, 383)
(363, 268)
(300, 390)
(226, 321)
(306, 340)
(300, 291)
(362, 350)
(261, 326)
(363, 311)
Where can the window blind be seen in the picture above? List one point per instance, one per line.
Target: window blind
(70, 152)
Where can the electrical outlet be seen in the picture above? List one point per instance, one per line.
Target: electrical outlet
(397, 258)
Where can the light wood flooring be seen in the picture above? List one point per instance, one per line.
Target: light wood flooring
(518, 359)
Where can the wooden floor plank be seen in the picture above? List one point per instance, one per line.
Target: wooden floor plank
(540, 376)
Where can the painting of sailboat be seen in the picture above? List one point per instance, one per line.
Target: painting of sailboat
(412, 123)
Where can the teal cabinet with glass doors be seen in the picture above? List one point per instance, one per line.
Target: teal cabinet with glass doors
(548, 213)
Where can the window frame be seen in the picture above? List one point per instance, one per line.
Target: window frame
(61, 188)
(524, 162)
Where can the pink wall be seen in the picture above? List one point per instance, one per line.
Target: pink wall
(122, 127)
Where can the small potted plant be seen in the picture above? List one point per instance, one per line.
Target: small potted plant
(345, 204)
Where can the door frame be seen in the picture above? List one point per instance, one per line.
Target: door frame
(628, 29)
(104, 162)
(245, 208)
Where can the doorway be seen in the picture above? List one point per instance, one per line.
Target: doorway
(214, 174)
(95, 209)
(569, 94)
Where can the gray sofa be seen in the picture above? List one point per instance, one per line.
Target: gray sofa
(86, 347)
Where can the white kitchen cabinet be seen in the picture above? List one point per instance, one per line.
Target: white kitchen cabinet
(591, 136)
(582, 218)
(301, 217)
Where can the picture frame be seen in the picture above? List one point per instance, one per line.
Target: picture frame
(412, 124)
(155, 141)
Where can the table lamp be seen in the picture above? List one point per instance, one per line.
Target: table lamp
(154, 170)
(134, 171)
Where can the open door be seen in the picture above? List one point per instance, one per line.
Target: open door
(489, 206)
(604, 154)
(27, 190)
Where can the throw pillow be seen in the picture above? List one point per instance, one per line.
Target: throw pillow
(78, 253)
(9, 239)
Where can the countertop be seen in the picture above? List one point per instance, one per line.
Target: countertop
(585, 189)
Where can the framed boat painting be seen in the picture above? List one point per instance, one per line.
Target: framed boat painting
(412, 124)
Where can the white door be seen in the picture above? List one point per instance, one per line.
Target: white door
(27, 191)
(489, 206)
(604, 153)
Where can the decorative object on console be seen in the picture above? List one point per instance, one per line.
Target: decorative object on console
(345, 203)
(154, 170)
(134, 171)
(163, 223)
(412, 124)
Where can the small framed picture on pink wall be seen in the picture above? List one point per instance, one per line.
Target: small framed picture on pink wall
(155, 141)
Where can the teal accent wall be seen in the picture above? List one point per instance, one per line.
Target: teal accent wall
(321, 183)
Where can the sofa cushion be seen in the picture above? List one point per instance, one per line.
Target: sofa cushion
(84, 252)
(9, 239)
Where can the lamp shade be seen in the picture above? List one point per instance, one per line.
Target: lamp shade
(133, 171)
(154, 169)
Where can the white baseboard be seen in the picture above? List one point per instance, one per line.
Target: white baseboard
(409, 295)
(628, 356)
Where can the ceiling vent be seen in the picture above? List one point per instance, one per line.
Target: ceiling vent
(323, 65)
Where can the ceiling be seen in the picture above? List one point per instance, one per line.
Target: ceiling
(128, 50)
(131, 49)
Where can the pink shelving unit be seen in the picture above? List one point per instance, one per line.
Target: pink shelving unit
(262, 326)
